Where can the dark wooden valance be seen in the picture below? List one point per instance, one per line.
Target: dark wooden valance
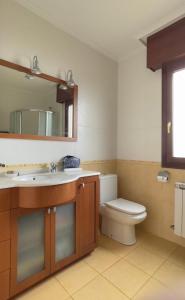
(166, 45)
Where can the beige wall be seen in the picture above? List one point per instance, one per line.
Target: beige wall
(137, 182)
(139, 146)
(102, 166)
(139, 110)
(23, 35)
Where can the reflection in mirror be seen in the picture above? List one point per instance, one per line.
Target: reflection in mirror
(31, 105)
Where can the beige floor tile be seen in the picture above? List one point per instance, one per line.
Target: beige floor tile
(154, 290)
(141, 235)
(115, 247)
(99, 289)
(173, 277)
(50, 289)
(101, 259)
(76, 276)
(126, 277)
(145, 260)
(178, 257)
(159, 246)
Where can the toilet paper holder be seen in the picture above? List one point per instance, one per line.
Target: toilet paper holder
(163, 176)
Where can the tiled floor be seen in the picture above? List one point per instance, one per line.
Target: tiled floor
(153, 269)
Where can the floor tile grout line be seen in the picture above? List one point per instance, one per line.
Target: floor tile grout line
(170, 263)
(156, 253)
(173, 262)
(135, 247)
(84, 285)
(101, 275)
(164, 285)
(131, 250)
(143, 285)
(62, 285)
(115, 286)
(100, 272)
(124, 258)
(160, 266)
(139, 268)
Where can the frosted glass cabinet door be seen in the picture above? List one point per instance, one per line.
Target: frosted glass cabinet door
(64, 231)
(30, 258)
(30, 246)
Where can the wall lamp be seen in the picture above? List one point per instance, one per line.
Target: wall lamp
(35, 66)
(70, 83)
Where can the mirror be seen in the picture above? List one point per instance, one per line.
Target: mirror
(36, 106)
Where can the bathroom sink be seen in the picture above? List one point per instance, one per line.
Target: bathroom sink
(43, 179)
(34, 178)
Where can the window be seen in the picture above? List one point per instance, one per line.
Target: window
(173, 115)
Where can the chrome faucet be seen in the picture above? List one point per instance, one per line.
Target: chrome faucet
(53, 167)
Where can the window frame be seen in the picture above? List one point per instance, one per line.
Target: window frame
(167, 143)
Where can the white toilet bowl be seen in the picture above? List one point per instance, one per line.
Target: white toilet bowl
(120, 226)
(119, 216)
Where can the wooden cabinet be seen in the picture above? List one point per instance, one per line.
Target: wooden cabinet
(89, 213)
(4, 255)
(46, 239)
(4, 285)
(4, 243)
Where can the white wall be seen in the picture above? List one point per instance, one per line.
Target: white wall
(139, 110)
(23, 35)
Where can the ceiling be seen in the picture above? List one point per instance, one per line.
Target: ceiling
(112, 27)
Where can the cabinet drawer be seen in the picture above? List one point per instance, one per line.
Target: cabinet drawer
(4, 285)
(47, 196)
(4, 226)
(4, 199)
(4, 256)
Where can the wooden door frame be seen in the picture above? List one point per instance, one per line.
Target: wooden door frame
(168, 160)
(15, 287)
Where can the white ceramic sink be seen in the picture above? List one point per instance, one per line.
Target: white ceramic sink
(43, 179)
(28, 178)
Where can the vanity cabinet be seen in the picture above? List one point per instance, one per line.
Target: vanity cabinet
(5, 206)
(89, 213)
(44, 240)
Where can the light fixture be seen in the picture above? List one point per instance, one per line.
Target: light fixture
(69, 79)
(35, 66)
(63, 87)
(29, 76)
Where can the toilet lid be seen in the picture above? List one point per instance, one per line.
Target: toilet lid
(129, 207)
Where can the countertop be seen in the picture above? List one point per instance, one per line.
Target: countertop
(44, 179)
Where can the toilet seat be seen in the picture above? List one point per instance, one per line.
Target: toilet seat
(126, 206)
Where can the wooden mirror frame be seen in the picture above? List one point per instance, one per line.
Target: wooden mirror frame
(74, 92)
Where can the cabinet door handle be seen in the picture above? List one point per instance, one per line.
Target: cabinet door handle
(49, 211)
(54, 209)
(169, 127)
(82, 185)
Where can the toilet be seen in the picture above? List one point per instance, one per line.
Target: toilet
(119, 216)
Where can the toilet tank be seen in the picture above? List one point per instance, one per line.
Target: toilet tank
(108, 187)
